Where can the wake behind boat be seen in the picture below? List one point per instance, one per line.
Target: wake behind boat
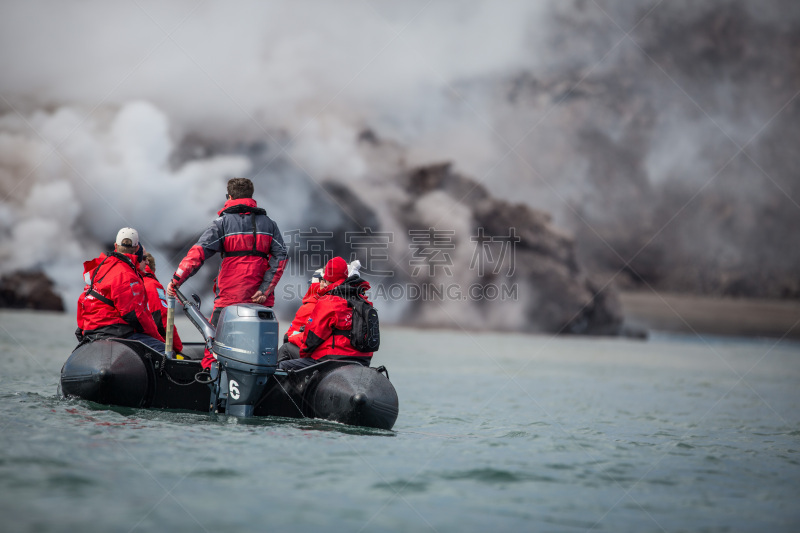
(244, 382)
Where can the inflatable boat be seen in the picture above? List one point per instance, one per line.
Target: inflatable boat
(243, 382)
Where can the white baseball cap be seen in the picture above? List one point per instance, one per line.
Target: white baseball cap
(128, 233)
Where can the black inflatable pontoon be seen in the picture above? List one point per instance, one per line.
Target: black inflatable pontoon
(243, 382)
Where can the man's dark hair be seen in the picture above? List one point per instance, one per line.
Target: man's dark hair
(240, 188)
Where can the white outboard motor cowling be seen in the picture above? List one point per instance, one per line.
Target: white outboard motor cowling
(246, 346)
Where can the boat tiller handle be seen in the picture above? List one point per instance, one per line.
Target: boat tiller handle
(196, 317)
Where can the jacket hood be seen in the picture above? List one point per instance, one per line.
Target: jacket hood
(246, 202)
(90, 265)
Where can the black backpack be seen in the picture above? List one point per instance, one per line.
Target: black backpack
(365, 336)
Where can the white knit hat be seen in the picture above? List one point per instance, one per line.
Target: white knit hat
(128, 233)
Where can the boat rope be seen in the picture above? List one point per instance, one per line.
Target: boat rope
(204, 374)
(162, 370)
(186, 384)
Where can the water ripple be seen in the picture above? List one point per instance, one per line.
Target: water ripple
(495, 476)
(402, 486)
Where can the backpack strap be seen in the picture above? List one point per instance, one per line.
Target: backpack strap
(344, 332)
(100, 297)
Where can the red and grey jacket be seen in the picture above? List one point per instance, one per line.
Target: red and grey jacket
(296, 329)
(114, 302)
(157, 302)
(327, 326)
(253, 254)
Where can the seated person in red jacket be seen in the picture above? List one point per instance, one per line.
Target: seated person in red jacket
(326, 334)
(157, 300)
(290, 349)
(114, 302)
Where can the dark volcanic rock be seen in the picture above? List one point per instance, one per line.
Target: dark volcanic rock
(557, 294)
(29, 290)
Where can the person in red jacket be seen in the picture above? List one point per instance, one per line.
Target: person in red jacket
(157, 300)
(325, 336)
(252, 249)
(293, 339)
(114, 302)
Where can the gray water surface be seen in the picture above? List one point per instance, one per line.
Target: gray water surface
(497, 432)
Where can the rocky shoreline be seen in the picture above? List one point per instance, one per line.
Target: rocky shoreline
(691, 314)
(29, 290)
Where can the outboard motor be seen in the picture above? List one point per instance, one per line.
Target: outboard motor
(246, 346)
(245, 342)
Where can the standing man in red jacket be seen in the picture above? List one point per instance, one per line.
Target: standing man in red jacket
(114, 302)
(253, 254)
(326, 335)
